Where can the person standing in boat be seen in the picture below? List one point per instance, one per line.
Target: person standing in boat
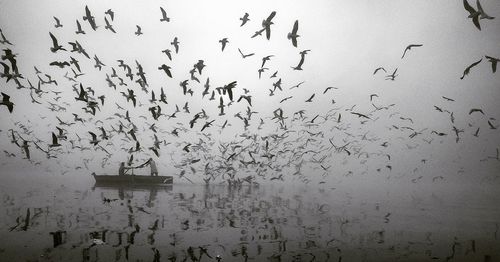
(154, 169)
(122, 169)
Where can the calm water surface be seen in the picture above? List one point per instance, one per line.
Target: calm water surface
(57, 221)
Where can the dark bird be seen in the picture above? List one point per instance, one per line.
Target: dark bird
(26, 149)
(138, 32)
(58, 23)
(266, 24)
(301, 62)
(286, 98)
(476, 110)
(467, 70)
(3, 39)
(482, 14)
(79, 28)
(229, 89)
(88, 17)
(111, 14)
(293, 35)
(244, 19)
(108, 25)
(168, 53)
(206, 125)
(94, 140)
(175, 43)
(447, 98)
(493, 62)
(166, 69)
(199, 65)
(360, 115)
(223, 42)
(243, 55)
(391, 76)
(98, 63)
(248, 98)
(59, 64)
(261, 70)
(6, 102)
(221, 106)
(310, 98)
(82, 95)
(265, 59)
(164, 17)
(55, 143)
(328, 88)
(55, 46)
(372, 96)
(409, 47)
(258, 33)
(378, 69)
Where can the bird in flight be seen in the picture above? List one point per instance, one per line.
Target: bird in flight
(223, 42)
(378, 69)
(164, 17)
(88, 16)
(6, 102)
(111, 14)
(139, 30)
(108, 25)
(245, 56)
(175, 43)
(476, 15)
(266, 24)
(55, 45)
(55, 143)
(493, 62)
(79, 28)
(58, 23)
(265, 59)
(293, 35)
(166, 69)
(409, 47)
(467, 70)
(244, 19)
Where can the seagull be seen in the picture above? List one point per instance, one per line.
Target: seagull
(54, 141)
(79, 28)
(476, 110)
(164, 17)
(265, 59)
(111, 14)
(293, 35)
(409, 47)
(223, 42)
(493, 62)
(139, 31)
(88, 16)
(168, 53)
(55, 46)
(108, 25)
(245, 56)
(378, 69)
(482, 14)
(310, 98)
(6, 102)
(166, 69)
(58, 23)
(473, 14)
(467, 70)
(266, 24)
(244, 19)
(175, 43)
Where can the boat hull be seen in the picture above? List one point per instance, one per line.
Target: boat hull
(133, 180)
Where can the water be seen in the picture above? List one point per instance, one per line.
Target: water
(275, 222)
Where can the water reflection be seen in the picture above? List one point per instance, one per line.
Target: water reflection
(241, 223)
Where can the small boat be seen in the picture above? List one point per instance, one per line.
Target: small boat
(132, 180)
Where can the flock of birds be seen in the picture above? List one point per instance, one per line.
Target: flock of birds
(298, 141)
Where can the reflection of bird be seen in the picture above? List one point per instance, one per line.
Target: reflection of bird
(58, 23)
(164, 17)
(293, 35)
(467, 70)
(493, 62)
(409, 47)
(6, 102)
(244, 19)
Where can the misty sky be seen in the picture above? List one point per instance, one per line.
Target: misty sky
(348, 41)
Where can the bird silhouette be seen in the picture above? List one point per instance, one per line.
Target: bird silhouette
(409, 47)
(266, 24)
(293, 35)
(175, 43)
(223, 42)
(55, 46)
(244, 19)
(58, 23)
(467, 70)
(138, 32)
(164, 17)
(6, 102)
(494, 62)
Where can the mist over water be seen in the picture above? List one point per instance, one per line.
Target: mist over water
(326, 131)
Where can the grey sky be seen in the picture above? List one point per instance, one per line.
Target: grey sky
(348, 40)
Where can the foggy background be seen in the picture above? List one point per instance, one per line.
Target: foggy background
(348, 41)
